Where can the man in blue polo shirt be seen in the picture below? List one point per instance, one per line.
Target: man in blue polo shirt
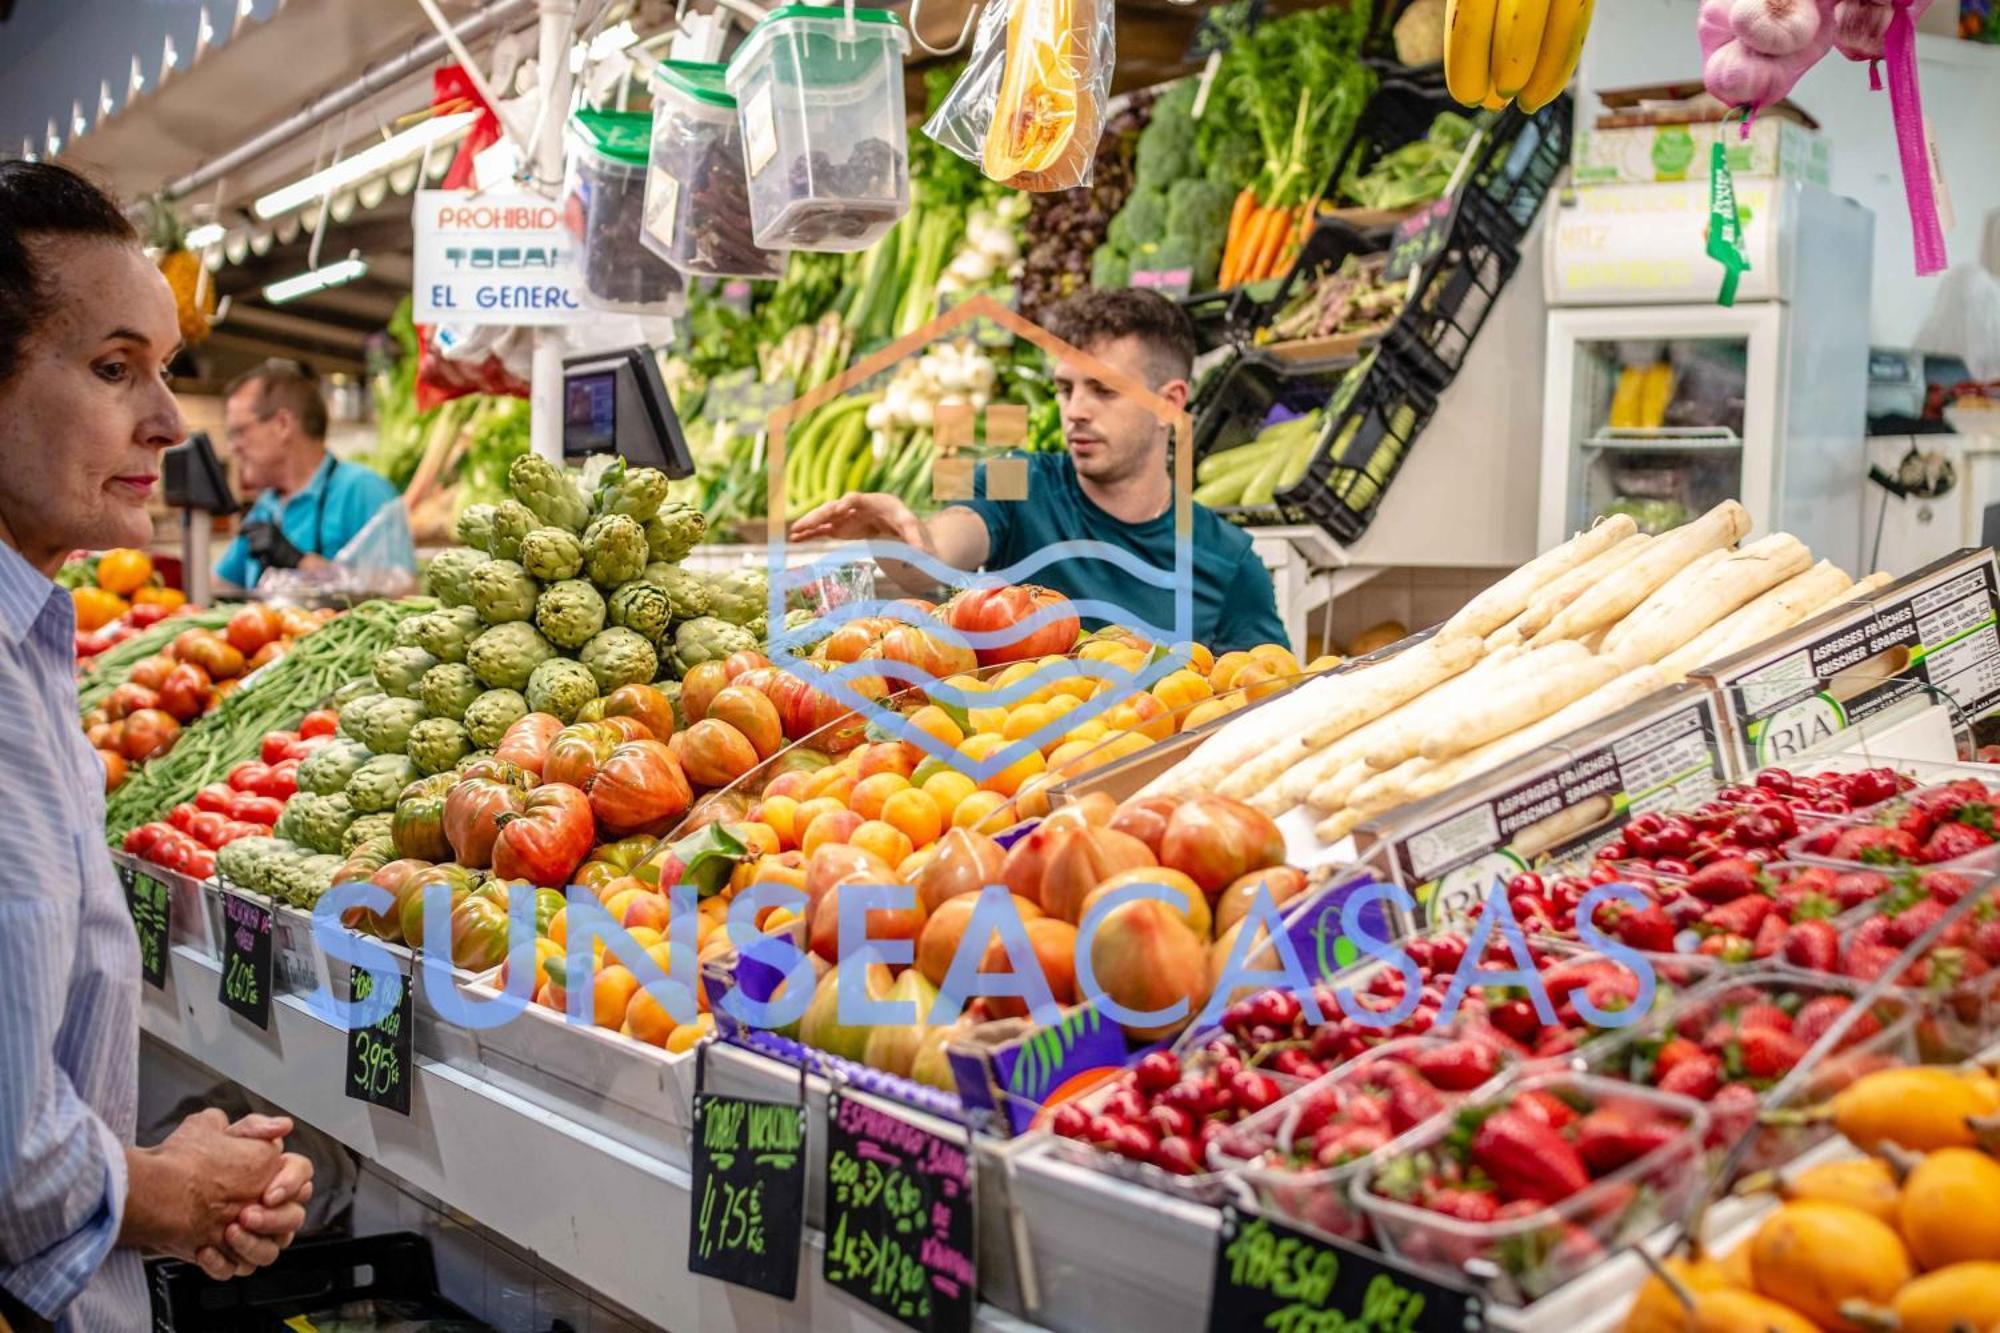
(1112, 486)
(309, 504)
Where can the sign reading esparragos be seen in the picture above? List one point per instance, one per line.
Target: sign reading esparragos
(494, 258)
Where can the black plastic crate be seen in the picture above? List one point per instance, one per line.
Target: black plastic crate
(1400, 112)
(1519, 162)
(1455, 291)
(1236, 402)
(1332, 242)
(1363, 447)
(309, 1277)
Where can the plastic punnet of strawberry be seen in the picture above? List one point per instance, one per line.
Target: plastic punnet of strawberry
(1299, 1155)
(1752, 819)
(1541, 1177)
(1727, 1043)
(1953, 825)
(1956, 982)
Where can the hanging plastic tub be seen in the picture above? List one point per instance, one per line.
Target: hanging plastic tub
(819, 92)
(697, 196)
(604, 207)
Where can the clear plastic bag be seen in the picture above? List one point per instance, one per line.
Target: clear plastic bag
(1048, 62)
(378, 561)
(1965, 319)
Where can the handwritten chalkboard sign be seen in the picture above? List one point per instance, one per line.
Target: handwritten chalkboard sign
(379, 1056)
(246, 958)
(749, 1192)
(1419, 239)
(898, 1217)
(152, 913)
(1269, 1275)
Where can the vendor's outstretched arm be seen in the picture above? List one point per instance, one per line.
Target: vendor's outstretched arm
(956, 536)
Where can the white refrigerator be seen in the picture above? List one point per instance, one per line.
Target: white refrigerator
(1660, 402)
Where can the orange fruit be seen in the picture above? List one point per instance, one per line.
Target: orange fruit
(973, 811)
(1009, 779)
(684, 1037)
(760, 838)
(777, 813)
(1257, 681)
(1142, 713)
(1182, 689)
(946, 789)
(171, 598)
(871, 793)
(647, 1020)
(1199, 659)
(834, 826)
(934, 721)
(1013, 674)
(1276, 658)
(1066, 758)
(545, 949)
(611, 990)
(884, 839)
(96, 608)
(986, 721)
(1026, 720)
(1207, 711)
(882, 757)
(124, 570)
(1222, 675)
(808, 811)
(916, 814)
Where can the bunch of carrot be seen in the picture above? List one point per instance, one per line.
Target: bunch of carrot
(1262, 239)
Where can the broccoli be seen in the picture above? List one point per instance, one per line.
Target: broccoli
(1197, 207)
(1144, 217)
(1109, 269)
(1166, 151)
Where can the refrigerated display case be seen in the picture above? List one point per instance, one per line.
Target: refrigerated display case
(1660, 401)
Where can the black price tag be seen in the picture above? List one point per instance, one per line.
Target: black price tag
(1419, 239)
(898, 1217)
(749, 1192)
(1269, 1275)
(246, 958)
(151, 906)
(379, 1055)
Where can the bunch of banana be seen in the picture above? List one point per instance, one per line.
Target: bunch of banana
(1501, 51)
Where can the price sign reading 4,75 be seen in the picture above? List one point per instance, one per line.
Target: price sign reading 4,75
(246, 958)
(149, 902)
(378, 1054)
(1271, 1276)
(898, 1217)
(749, 1192)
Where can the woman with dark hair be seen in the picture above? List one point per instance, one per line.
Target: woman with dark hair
(87, 328)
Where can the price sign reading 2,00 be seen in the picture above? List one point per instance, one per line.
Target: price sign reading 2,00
(378, 1053)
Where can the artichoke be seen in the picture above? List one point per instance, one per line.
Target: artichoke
(368, 829)
(707, 639)
(405, 633)
(242, 861)
(619, 657)
(328, 769)
(570, 612)
(504, 656)
(635, 492)
(448, 689)
(641, 608)
(502, 592)
(313, 877)
(316, 822)
(740, 596)
(474, 527)
(353, 722)
(397, 670)
(437, 744)
(376, 784)
(446, 634)
(487, 720)
(560, 686)
(549, 491)
(686, 594)
(614, 550)
(352, 690)
(674, 531)
(388, 725)
(448, 577)
(552, 554)
(512, 522)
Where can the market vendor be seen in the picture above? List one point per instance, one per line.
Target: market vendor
(1113, 485)
(309, 504)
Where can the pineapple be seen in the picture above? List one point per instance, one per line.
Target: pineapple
(194, 291)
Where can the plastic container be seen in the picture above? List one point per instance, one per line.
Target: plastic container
(697, 196)
(1821, 845)
(819, 93)
(604, 207)
(1534, 1254)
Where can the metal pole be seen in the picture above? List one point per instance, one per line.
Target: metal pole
(545, 397)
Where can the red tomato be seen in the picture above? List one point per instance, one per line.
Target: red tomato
(549, 839)
(320, 722)
(173, 855)
(240, 828)
(275, 744)
(298, 748)
(142, 840)
(282, 781)
(206, 827)
(217, 796)
(200, 863)
(259, 810)
(181, 814)
(246, 775)
(988, 609)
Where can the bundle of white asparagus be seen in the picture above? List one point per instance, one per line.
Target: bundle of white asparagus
(1599, 622)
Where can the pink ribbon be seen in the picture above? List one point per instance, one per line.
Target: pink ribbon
(1906, 105)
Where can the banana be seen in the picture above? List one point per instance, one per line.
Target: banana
(1517, 43)
(1562, 46)
(1468, 50)
(1495, 102)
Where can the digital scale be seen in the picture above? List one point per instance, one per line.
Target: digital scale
(192, 480)
(616, 402)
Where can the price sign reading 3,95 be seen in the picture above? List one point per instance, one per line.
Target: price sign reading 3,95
(378, 1054)
(147, 899)
(898, 1217)
(749, 1192)
(246, 958)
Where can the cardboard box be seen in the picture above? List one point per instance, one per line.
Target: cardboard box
(1930, 635)
(1640, 154)
(1550, 807)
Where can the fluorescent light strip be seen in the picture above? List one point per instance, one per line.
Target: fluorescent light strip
(305, 284)
(391, 152)
(206, 235)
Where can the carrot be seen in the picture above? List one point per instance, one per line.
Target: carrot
(1237, 253)
(1239, 213)
(1264, 255)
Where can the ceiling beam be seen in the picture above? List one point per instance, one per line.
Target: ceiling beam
(296, 328)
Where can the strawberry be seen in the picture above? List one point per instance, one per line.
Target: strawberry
(1729, 948)
(1820, 1014)
(1766, 1053)
(1650, 929)
(1946, 886)
(1550, 1109)
(1609, 1138)
(1729, 878)
(1457, 1066)
(1875, 930)
(1920, 819)
(1698, 1077)
(1985, 939)
(1801, 899)
(1731, 1110)
(1525, 1158)
(1763, 1016)
(1857, 887)
(1872, 844)
(1911, 922)
(1463, 1204)
(1769, 935)
(1952, 841)
(1812, 944)
(1865, 962)
(1676, 1051)
(1559, 981)
(1745, 916)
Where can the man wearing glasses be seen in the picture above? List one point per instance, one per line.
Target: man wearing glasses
(309, 504)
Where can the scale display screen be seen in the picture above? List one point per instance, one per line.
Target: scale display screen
(590, 413)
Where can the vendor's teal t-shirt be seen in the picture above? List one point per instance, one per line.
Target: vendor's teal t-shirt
(320, 519)
(1234, 604)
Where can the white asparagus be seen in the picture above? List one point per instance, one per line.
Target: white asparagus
(1561, 592)
(1507, 636)
(1709, 588)
(1777, 610)
(1335, 827)
(1867, 587)
(1333, 793)
(1506, 599)
(1528, 696)
(1614, 598)
(1242, 736)
(1384, 791)
(1421, 715)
